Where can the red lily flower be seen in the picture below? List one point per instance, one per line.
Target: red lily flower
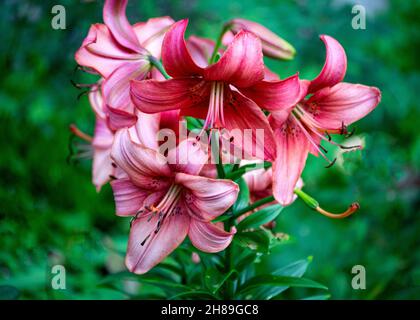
(215, 92)
(332, 106)
(168, 201)
(120, 52)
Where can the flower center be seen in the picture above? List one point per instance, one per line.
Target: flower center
(304, 119)
(166, 207)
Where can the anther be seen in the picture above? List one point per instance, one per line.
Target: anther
(331, 163)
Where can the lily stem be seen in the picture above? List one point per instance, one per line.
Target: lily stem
(158, 65)
(226, 27)
(253, 206)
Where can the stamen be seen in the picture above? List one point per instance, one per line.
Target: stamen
(145, 239)
(331, 164)
(77, 132)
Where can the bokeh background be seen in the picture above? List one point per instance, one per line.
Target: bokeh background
(51, 214)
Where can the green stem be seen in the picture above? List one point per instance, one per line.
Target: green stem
(235, 174)
(253, 206)
(215, 149)
(156, 63)
(226, 27)
(229, 265)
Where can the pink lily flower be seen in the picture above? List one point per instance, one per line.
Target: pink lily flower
(332, 106)
(120, 52)
(216, 92)
(272, 45)
(168, 200)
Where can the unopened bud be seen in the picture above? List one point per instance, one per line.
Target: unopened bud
(272, 45)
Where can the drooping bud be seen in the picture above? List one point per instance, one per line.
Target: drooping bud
(272, 45)
(313, 204)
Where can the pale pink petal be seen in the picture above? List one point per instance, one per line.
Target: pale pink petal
(292, 151)
(145, 131)
(102, 167)
(146, 167)
(96, 100)
(272, 45)
(128, 197)
(103, 136)
(248, 127)
(116, 90)
(200, 49)
(344, 103)
(150, 34)
(270, 75)
(175, 56)
(275, 95)
(116, 20)
(241, 64)
(208, 237)
(188, 157)
(334, 68)
(146, 247)
(101, 52)
(207, 198)
(153, 96)
(120, 119)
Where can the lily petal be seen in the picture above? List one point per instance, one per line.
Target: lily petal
(151, 96)
(120, 119)
(146, 167)
(272, 45)
(208, 237)
(275, 95)
(150, 34)
(207, 198)
(96, 100)
(116, 20)
(200, 49)
(101, 52)
(116, 89)
(146, 248)
(344, 103)
(145, 131)
(128, 197)
(292, 151)
(334, 68)
(241, 64)
(101, 167)
(175, 56)
(189, 157)
(102, 164)
(246, 124)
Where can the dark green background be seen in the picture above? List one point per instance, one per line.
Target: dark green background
(51, 214)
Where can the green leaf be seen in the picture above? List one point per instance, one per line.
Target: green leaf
(318, 297)
(244, 169)
(194, 294)
(260, 217)
(258, 240)
(294, 269)
(246, 259)
(273, 280)
(8, 293)
(214, 279)
(243, 196)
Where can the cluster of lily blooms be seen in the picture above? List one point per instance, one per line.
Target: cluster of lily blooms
(237, 100)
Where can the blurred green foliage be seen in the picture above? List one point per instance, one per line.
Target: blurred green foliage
(51, 214)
